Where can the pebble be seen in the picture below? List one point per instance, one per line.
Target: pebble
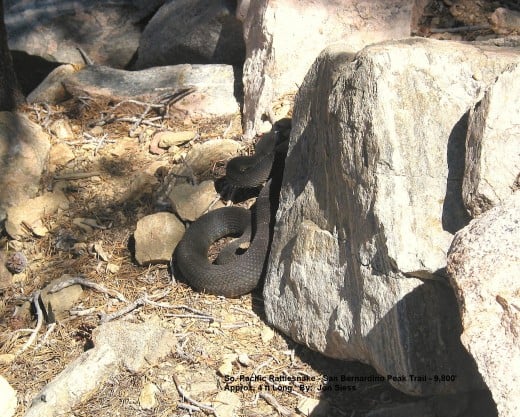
(147, 398)
(16, 262)
(166, 139)
(61, 129)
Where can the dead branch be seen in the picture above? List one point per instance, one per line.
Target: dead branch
(273, 402)
(191, 316)
(77, 175)
(86, 283)
(150, 300)
(84, 56)
(460, 29)
(50, 329)
(185, 396)
(130, 307)
(39, 322)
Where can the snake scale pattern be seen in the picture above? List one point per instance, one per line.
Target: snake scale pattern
(242, 273)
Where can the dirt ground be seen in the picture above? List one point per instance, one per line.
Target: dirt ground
(117, 156)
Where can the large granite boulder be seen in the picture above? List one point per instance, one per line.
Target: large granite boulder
(108, 31)
(370, 201)
(484, 266)
(193, 32)
(24, 148)
(493, 131)
(284, 37)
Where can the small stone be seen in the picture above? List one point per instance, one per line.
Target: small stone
(113, 268)
(191, 201)
(61, 129)
(38, 229)
(310, 406)
(59, 156)
(63, 300)
(156, 237)
(7, 358)
(243, 359)
(267, 334)
(8, 401)
(203, 156)
(226, 403)
(227, 364)
(123, 146)
(505, 21)
(166, 139)
(137, 185)
(31, 211)
(97, 131)
(147, 398)
(16, 263)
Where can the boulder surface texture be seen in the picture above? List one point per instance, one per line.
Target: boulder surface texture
(284, 37)
(108, 32)
(484, 266)
(194, 32)
(370, 201)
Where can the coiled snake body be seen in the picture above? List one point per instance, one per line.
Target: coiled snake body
(243, 272)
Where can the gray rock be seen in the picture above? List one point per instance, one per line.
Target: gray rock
(117, 345)
(62, 129)
(29, 214)
(191, 201)
(59, 156)
(505, 21)
(279, 52)
(195, 32)
(24, 148)
(369, 204)
(16, 262)
(166, 139)
(484, 263)
(493, 132)
(62, 301)
(214, 84)
(203, 156)
(108, 31)
(156, 236)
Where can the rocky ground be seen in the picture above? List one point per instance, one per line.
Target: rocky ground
(92, 239)
(215, 336)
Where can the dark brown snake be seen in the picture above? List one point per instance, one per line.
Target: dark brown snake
(243, 272)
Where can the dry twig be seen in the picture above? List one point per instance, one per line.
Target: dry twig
(86, 283)
(150, 300)
(269, 399)
(39, 322)
(77, 175)
(459, 29)
(185, 396)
